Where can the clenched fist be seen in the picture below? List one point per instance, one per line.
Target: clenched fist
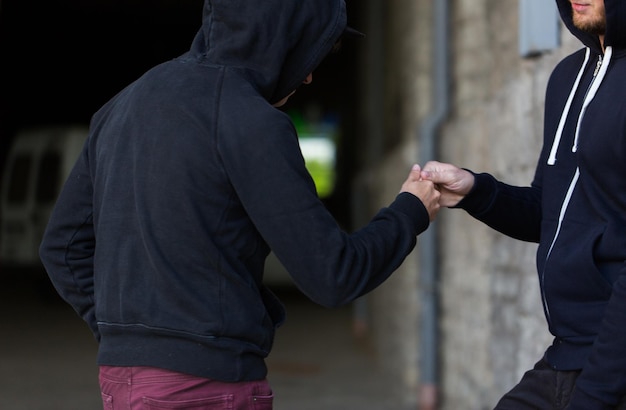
(423, 189)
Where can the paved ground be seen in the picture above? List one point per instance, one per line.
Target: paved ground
(47, 357)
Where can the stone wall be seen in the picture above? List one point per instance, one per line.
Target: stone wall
(492, 319)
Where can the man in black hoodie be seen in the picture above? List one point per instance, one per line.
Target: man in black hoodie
(189, 177)
(575, 208)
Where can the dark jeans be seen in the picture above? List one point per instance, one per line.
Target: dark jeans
(542, 388)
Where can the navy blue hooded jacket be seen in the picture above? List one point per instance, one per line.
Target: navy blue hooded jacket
(187, 180)
(576, 209)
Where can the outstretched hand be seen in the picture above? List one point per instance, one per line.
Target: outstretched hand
(453, 182)
(424, 190)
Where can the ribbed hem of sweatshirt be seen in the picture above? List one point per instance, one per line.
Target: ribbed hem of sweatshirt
(481, 196)
(217, 358)
(413, 207)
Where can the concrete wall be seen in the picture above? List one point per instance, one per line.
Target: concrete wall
(491, 321)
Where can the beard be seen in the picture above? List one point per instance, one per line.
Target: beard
(596, 26)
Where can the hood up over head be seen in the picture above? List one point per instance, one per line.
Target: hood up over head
(615, 36)
(274, 43)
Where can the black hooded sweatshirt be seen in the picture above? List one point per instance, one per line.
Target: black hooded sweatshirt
(576, 209)
(188, 178)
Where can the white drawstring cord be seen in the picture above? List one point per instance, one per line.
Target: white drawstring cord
(568, 104)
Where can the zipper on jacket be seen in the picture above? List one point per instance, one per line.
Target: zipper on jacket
(595, 72)
(568, 196)
(593, 78)
(586, 101)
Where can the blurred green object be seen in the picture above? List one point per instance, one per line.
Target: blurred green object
(324, 176)
(317, 136)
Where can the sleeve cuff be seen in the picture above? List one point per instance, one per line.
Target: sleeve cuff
(482, 195)
(413, 207)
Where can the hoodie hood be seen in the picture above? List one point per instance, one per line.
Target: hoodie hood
(615, 35)
(273, 43)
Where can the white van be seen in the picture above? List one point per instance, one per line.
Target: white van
(38, 163)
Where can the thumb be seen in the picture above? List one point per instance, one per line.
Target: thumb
(428, 175)
(416, 172)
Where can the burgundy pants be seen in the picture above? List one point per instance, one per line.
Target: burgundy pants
(148, 388)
